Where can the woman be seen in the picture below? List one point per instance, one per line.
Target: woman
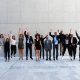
(13, 46)
(37, 46)
(1, 43)
(21, 46)
(7, 49)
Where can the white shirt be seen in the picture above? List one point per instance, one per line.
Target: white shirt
(13, 42)
(1, 41)
(67, 41)
(28, 40)
(71, 40)
(55, 40)
(47, 41)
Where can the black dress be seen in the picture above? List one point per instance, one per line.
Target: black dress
(38, 44)
(7, 46)
(21, 43)
(7, 50)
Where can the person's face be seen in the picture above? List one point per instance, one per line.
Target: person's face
(13, 37)
(20, 35)
(1, 35)
(66, 35)
(37, 37)
(7, 39)
(41, 36)
(55, 33)
(62, 32)
(47, 37)
(28, 33)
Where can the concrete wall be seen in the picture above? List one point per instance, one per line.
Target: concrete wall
(39, 15)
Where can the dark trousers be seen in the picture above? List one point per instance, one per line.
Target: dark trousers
(42, 52)
(64, 49)
(55, 48)
(48, 55)
(79, 52)
(61, 48)
(72, 51)
(28, 47)
(13, 50)
(7, 54)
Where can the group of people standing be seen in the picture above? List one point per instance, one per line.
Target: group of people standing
(41, 45)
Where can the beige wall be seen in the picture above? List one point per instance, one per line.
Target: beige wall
(39, 14)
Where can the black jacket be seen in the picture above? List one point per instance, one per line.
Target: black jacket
(30, 39)
(78, 38)
(74, 42)
(53, 37)
(7, 46)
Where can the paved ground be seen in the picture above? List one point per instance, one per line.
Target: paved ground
(16, 69)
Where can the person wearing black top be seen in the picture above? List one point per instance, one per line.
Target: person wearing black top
(37, 46)
(66, 44)
(62, 42)
(72, 46)
(78, 43)
(7, 49)
(29, 42)
(55, 44)
(42, 43)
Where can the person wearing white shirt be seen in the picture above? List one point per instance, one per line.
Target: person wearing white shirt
(48, 48)
(13, 46)
(55, 44)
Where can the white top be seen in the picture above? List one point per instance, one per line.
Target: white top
(67, 41)
(1, 41)
(28, 40)
(13, 42)
(55, 41)
(71, 40)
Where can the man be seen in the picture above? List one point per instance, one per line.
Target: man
(78, 43)
(72, 46)
(55, 44)
(66, 44)
(62, 41)
(48, 47)
(29, 42)
(42, 43)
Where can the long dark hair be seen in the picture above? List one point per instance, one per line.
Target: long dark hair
(37, 34)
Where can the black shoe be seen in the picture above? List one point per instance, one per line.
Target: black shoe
(36, 60)
(50, 59)
(26, 58)
(54, 59)
(11, 56)
(46, 59)
(74, 58)
(31, 58)
(71, 59)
